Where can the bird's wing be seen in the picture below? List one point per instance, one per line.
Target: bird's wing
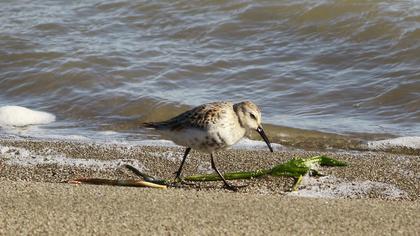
(200, 117)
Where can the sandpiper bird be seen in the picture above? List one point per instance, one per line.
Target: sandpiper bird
(212, 127)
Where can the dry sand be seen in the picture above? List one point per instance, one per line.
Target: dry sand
(376, 194)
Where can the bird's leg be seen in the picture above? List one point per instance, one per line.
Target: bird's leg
(227, 185)
(178, 173)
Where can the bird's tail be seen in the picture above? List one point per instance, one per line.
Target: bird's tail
(149, 125)
(155, 125)
(160, 125)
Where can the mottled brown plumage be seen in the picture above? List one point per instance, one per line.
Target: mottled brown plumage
(211, 127)
(200, 117)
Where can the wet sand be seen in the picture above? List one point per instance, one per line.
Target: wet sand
(376, 194)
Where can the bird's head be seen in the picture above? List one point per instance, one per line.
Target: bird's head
(249, 116)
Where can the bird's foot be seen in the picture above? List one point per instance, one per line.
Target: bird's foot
(234, 188)
(178, 181)
(231, 187)
(178, 178)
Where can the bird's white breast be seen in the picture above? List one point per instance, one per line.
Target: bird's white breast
(206, 140)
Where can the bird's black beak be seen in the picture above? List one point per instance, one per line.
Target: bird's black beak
(261, 132)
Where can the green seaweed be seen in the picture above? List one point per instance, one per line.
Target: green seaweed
(228, 176)
(295, 168)
(292, 168)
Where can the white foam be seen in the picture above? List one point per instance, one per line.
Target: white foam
(21, 116)
(249, 144)
(332, 187)
(70, 137)
(404, 142)
(23, 157)
(158, 142)
(108, 133)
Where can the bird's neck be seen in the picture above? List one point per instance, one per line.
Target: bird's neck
(239, 113)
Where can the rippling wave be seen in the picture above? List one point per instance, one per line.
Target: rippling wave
(345, 67)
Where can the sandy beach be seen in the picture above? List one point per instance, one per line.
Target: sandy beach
(58, 209)
(377, 193)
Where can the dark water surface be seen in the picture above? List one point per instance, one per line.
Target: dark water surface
(344, 67)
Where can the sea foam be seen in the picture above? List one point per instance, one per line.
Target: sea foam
(401, 142)
(24, 157)
(22, 116)
(333, 187)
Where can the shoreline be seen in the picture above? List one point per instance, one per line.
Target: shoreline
(377, 192)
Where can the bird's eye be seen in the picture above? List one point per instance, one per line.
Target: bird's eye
(252, 116)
